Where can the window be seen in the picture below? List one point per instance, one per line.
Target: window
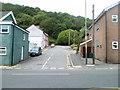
(97, 43)
(114, 45)
(114, 18)
(4, 29)
(2, 50)
(23, 36)
(97, 26)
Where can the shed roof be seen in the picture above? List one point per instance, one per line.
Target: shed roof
(85, 42)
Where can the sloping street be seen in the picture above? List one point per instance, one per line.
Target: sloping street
(51, 58)
(51, 70)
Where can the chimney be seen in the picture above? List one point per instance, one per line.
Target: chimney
(38, 26)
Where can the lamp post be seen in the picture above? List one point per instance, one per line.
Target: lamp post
(86, 32)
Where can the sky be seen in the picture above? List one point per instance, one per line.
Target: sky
(73, 7)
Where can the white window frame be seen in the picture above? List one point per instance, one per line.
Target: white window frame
(115, 17)
(23, 36)
(3, 50)
(113, 43)
(2, 28)
(97, 43)
(97, 26)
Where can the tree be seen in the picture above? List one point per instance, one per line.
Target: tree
(41, 16)
(24, 20)
(50, 25)
(63, 37)
(52, 22)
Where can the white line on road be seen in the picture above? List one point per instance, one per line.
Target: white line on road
(23, 74)
(53, 68)
(46, 61)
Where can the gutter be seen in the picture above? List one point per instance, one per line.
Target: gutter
(119, 32)
(12, 47)
(106, 35)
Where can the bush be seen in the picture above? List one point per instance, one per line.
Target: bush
(75, 48)
(72, 46)
(51, 40)
(63, 37)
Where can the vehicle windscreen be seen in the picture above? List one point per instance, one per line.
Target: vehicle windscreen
(34, 49)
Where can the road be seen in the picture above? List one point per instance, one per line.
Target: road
(50, 71)
(52, 58)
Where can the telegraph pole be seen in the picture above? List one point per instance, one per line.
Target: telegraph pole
(93, 36)
(69, 38)
(74, 38)
(86, 33)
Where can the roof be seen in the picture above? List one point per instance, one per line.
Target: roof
(34, 31)
(86, 42)
(5, 14)
(106, 9)
(21, 29)
(103, 12)
(2, 14)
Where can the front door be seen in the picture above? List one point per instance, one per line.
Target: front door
(22, 53)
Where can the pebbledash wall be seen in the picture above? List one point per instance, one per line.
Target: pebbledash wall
(15, 41)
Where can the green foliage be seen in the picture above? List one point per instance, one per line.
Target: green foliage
(75, 48)
(24, 20)
(63, 37)
(52, 40)
(73, 45)
(51, 22)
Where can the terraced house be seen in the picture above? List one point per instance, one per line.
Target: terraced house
(14, 44)
(106, 35)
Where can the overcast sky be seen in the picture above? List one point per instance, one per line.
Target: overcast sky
(73, 7)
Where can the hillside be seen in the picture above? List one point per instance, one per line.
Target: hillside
(51, 22)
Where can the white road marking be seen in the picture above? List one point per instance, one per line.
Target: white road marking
(46, 61)
(45, 68)
(18, 68)
(102, 68)
(70, 68)
(90, 65)
(53, 68)
(23, 74)
(61, 68)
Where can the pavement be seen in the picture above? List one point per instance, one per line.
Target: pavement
(77, 61)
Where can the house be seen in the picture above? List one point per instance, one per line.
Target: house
(106, 35)
(14, 43)
(46, 40)
(37, 37)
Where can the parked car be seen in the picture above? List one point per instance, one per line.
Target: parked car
(52, 45)
(36, 51)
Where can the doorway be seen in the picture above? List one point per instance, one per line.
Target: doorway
(22, 53)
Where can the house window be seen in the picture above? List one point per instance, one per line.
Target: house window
(114, 45)
(97, 43)
(4, 29)
(2, 50)
(23, 36)
(114, 18)
(97, 26)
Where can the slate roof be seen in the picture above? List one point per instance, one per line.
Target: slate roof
(34, 31)
(3, 13)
